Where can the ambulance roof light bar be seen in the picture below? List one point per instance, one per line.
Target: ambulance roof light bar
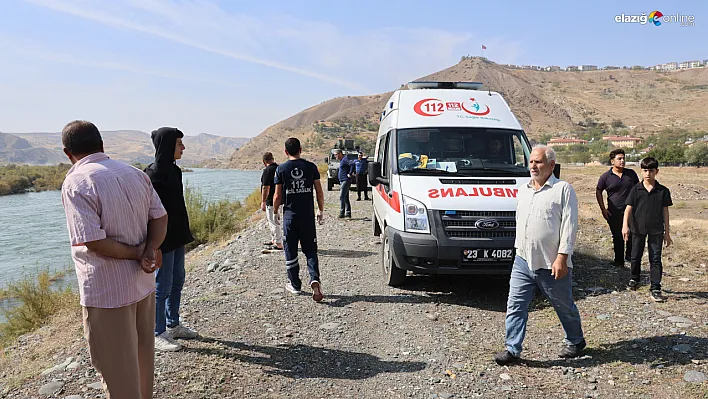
(444, 85)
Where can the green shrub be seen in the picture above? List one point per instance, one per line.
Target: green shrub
(216, 220)
(37, 302)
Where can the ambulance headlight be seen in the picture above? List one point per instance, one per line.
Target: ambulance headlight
(416, 216)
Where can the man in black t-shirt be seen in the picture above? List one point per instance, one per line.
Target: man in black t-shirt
(618, 182)
(267, 192)
(295, 180)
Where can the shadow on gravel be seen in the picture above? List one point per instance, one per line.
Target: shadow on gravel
(482, 292)
(679, 295)
(341, 253)
(303, 361)
(663, 351)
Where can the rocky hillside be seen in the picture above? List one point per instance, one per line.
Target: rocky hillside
(14, 149)
(544, 102)
(124, 145)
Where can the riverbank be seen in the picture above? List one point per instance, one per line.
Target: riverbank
(433, 338)
(17, 179)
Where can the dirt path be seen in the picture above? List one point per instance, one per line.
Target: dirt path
(433, 339)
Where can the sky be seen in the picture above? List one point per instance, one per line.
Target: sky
(236, 67)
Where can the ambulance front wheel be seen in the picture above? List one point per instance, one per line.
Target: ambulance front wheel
(393, 276)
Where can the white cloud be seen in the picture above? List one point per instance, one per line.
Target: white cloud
(32, 50)
(359, 60)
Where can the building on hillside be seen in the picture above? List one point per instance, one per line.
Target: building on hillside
(561, 142)
(552, 68)
(696, 64)
(572, 68)
(611, 67)
(622, 141)
(588, 67)
(685, 65)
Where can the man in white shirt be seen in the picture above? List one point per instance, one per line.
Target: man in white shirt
(546, 229)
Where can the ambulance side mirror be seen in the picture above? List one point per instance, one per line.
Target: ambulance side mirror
(375, 174)
(557, 171)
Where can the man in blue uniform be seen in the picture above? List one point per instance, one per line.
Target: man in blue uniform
(294, 181)
(346, 170)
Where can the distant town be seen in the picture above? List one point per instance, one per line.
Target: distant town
(669, 66)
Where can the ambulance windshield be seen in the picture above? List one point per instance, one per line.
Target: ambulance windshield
(461, 150)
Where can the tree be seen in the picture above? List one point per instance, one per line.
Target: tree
(617, 124)
(544, 139)
(697, 154)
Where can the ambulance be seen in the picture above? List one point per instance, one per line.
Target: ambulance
(450, 158)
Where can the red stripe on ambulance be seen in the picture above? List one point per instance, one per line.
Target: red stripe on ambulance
(473, 192)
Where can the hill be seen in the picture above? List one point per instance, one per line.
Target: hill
(545, 102)
(124, 145)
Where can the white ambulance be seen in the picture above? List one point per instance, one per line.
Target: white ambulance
(450, 157)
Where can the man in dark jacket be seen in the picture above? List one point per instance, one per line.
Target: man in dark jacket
(361, 165)
(345, 172)
(166, 178)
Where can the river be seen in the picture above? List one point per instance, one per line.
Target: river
(33, 233)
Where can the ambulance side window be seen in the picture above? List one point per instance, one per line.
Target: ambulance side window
(383, 155)
(519, 156)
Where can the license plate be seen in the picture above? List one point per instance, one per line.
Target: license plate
(487, 255)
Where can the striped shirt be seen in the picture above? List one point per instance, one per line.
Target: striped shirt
(104, 198)
(546, 223)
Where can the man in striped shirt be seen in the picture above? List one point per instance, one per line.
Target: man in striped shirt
(116, 224)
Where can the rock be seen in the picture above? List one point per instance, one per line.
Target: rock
(329, 326)
(431, 316)
(74, 397)
(212, 267)
(596, 290)
(95, 385)
(603, 317)
(683, 348)
(73, 366)
(506, 388)
(694, 376)
(592, 380)
(50, 388)
(277, 291)
(679, 319)
(59, 367)
(684, 279)
(505, 376)
(445, 395)
(664, 313)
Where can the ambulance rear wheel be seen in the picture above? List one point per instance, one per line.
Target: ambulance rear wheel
(393, 276)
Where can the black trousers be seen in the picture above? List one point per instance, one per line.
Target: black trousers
(361, 185)
(615, 222)
(655, 268)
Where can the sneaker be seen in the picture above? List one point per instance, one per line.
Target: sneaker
(628, 260)
(291, 289)
(504, 358)
(165, 343)
(317, 295)
(180, 331)
(348, 216)
(657, 296)
(618, 263)
(633, 285)
(570, 351)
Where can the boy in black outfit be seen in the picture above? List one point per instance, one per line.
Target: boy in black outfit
(647, 218)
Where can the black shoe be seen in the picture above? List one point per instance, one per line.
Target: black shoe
(348, 216)
(618, 263)
(570, 351)
(657, 296)
(633, 285)
(504, 358)
(628, 260)
(341, 216)
(367, 199)
(358, 199)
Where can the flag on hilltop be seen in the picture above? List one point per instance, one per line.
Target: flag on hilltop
(484, 47)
